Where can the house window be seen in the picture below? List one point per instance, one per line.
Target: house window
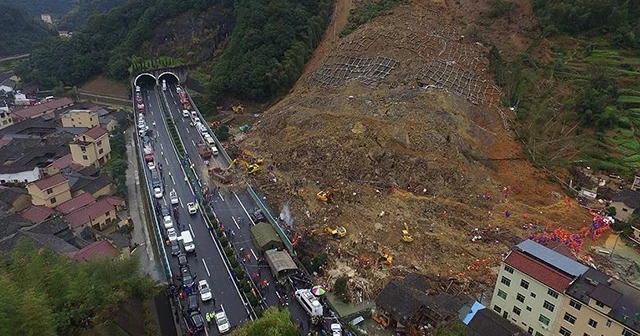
(627, 332)
(530, 331)
(53, 200)
(506, 281)
(608, 323)
(599, 304)
(548, 305)
(524, 284)
(564, 331)
(99, 143)
(575, 304)
(49, 191)
(101, 151)
(516, 310)
(508, 269)
(83, 148)
(593, 323)
(533, 295)
(585, 334)
(544, 320)
(84, 157)
(569, 318)
(553, 293)
(528, 308)
(497, 309)
(538, 333)
(502, 294)
(520, 297)
(625, 209)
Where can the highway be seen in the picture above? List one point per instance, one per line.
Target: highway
(231, 207)
(206, 262)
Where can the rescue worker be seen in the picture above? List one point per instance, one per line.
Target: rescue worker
(207, 317)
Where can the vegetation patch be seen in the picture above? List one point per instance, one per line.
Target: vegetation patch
(368, 12)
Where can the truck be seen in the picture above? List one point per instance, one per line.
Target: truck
(220, 175)
(141, 107)
(184, 100)
(164, 85)
(148, 154)
(204, 151)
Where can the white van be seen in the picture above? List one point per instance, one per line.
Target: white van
(210, 141)
(309, 302)
(214, 150)
(137, 88)
(187, 241)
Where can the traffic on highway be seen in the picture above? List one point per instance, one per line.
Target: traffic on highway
(207, 296)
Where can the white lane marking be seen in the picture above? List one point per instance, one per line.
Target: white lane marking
(221, 197)
(193, 142)
(243, 208)
(254, 254)
(234, 222)
(182, 205)
(173, 180)
(167, 161)
(165, 201)
(187, 130)
(161, 147)
(205, 267)
(190, 229)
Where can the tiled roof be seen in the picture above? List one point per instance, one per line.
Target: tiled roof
(87, 213)
(98, 250)
(97, 183)
(115, 201)
(37, 213)
(487, 323)
(95, 132)
(76, 203)
(538, 270)
(628, 197)
(63, 162)
(50, 181)
(36, 110)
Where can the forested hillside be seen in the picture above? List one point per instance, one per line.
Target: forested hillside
(44, 293)
(20, 32)
(104, 45)
(270, 45)
(83, 10)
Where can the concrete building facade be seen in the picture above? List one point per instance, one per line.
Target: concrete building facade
(80, 118)
(6, 119)
(49, 191)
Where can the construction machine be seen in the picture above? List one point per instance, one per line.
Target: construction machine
(251, 168)
(386, 259)
(238, 108)
(337, 232)
(406, 235)
(251, 157)
(324, 195)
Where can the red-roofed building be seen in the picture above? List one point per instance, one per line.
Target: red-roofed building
(48, 108)
(97, 215)
(37, 214)
(531, 286)
(102, 249)
(91, 148)
(60, 164)
(76, 203)
(49, 191)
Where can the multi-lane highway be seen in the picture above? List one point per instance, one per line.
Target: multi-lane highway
(206, 262)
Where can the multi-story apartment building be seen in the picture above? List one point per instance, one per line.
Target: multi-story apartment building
(547, 293)
(91, 147)
(531, 284)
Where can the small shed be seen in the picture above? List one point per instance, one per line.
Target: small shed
(280, 262)
(265, 237)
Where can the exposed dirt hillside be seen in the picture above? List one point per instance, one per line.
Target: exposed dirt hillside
(405, 100)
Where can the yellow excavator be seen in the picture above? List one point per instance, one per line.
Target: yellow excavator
(237, 108)
(406, 235)
(251, 157)
(324, 195)
(337, 232)
(251, 168)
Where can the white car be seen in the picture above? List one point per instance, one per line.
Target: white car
(205, 290)
(151, 165)
(192, 208)
(171, 233)
(168, 222)
(222, 322)
(143, 130)
(173, 196)
(186, 114)
(157, 192)
(336, 329)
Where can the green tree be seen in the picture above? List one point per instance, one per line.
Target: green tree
(274, 321)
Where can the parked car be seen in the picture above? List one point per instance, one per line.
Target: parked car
(221, 321)
(205, 290)
(151, 165)
(257, 216)
(193, 209)
(173, 196)
(192, 303)
(187, 278)
(168, 222)
(182, 260)
(164, 210)
(157, 192)
(175, 248)
(171, 233)
(185, 114)
(195, 322)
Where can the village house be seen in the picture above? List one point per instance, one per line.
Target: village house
(6, 118)
(80, 118)
(47, 108)
(97, 215)
(625, 203)
(91, 147)
(49, 191)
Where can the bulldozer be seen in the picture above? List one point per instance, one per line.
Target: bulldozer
(406, 235)
(337, 232)
(324, 195)
(251, 168)
(251, 157)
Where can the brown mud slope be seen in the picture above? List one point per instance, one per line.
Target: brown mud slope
(406, 101)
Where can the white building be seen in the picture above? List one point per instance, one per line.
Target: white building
(13, 174)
